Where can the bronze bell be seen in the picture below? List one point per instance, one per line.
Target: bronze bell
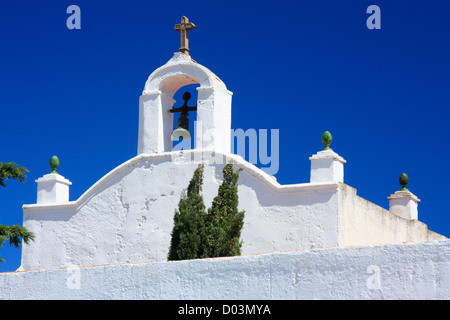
(182, 129)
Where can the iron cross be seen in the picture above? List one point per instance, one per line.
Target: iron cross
(184, 28)
(184, 109)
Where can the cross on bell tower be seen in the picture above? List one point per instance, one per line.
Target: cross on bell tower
(184, 28)
(156, 105)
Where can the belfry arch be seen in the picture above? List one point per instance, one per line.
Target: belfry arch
(213, 122)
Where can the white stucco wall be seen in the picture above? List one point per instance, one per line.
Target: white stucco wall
(362, 222)
(394, 271)
(127, 216)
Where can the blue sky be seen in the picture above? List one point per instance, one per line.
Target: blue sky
(302, 67)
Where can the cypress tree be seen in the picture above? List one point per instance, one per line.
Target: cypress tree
(224, 221)
(186, 242)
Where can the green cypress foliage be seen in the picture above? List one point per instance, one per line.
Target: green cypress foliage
(197, 234)
(186, 242)
(224, 221)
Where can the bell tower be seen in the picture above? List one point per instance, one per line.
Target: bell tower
(156, 104)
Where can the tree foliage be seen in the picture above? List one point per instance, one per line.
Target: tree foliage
(10, 170)
(224, 221)
(215, 233)
(186, 242)
(14, 233)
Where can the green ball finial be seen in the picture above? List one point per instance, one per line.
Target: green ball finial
(403, 181)
(54, 164)
(327, 138)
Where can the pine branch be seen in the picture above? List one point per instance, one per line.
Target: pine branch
(15, 233)
(11, 170)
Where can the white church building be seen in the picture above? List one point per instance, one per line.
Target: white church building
(316, 239)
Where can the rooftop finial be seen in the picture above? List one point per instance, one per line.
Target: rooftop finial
(326, 140)
(404, 180)
(54, 164)
(184, 28)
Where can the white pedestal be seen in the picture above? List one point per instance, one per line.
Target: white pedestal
(327, 166)
(52, 188)
(404, 204)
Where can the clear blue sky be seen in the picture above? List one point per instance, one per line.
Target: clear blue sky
(302, 67)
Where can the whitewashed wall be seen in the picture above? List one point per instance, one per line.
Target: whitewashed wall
(128, 215)
(362, 222)
(394, 271)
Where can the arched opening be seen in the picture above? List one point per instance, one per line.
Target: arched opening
(183, 143)
(164, 89)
